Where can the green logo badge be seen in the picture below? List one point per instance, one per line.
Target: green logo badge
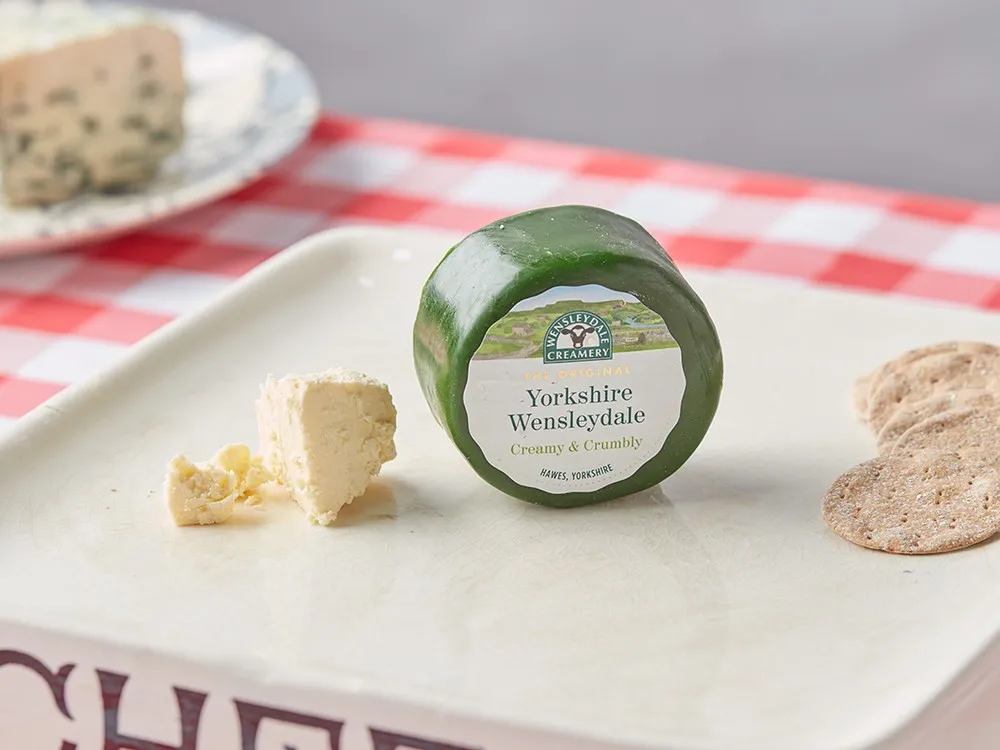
(577, 336)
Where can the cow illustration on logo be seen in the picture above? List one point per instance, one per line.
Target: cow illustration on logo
(577, 336)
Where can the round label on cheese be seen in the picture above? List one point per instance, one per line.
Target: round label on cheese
(574, 389)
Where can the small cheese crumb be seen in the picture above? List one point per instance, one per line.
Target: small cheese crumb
(253, 480)
(204, 494)
(199, 495)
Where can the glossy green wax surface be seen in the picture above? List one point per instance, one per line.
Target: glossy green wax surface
(494, 268)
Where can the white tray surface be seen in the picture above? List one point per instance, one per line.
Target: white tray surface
(717, 611)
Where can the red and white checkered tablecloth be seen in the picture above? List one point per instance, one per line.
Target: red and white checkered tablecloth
(64, 317)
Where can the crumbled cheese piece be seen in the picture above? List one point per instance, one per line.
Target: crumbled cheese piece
(325, 436)
(207, 493)
(199, 495)
(90, 99)
(254, 482)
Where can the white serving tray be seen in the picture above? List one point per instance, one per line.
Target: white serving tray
(715, 612)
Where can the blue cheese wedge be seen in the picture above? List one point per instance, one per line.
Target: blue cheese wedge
(325, 436)
(91, 99)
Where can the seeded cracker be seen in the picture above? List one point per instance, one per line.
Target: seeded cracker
(968, 432)
(909, 415)
(876, 378)
(932, 376)
(907, 358)
(896, 504)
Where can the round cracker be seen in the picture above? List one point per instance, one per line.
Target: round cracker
(876, 378)
(968, 432)
(910, 356)
(896, 504)
(909, 415)
(932, 376)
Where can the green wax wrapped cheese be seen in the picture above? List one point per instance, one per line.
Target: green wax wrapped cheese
(566, 357)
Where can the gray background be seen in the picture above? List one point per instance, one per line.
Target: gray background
(903, 93)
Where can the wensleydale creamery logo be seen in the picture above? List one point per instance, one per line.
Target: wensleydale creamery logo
(573, 324)
(577, 336)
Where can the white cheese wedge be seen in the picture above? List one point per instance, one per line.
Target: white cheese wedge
(90, 99)
(207, 493)
(325, 436)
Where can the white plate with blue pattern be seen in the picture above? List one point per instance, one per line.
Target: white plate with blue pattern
(251, 103)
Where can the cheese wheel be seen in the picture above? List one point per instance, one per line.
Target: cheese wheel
(566, 357)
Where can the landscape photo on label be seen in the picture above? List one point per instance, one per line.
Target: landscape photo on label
(521, 333)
